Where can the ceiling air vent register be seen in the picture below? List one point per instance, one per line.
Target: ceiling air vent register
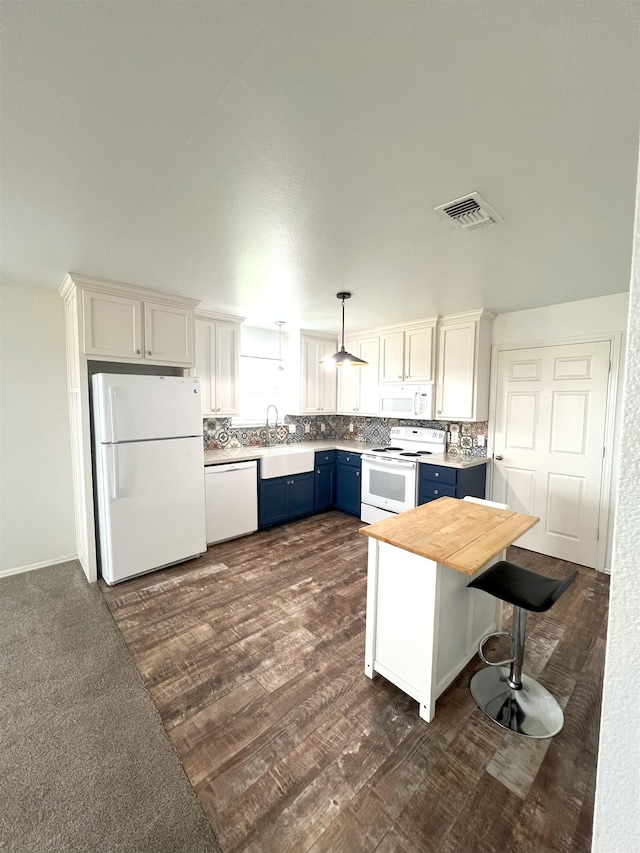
(471, 212)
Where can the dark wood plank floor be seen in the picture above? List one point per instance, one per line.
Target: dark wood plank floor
(254, 656)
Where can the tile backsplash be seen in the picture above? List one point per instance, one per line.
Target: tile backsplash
(462, 438)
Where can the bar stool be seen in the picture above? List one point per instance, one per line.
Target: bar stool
(511, 699)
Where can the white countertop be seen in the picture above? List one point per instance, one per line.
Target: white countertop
(237, 454)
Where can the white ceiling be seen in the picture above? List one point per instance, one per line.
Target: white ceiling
(261, 156)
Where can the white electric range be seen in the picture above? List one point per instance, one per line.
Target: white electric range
(390, 473)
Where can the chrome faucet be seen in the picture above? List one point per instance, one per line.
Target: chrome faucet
(275, 428)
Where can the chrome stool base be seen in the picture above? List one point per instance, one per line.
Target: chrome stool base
(531, 711)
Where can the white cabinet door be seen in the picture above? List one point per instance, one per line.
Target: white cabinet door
(226, 366)
(369, 394)
(418, 355)
(392, 357)
(205, 334)
(112, 325)
(168, 334)
(217, 362)
(318, 381)
(358, 391)
(464, 358)
(349, 382)
(407, 355)
(456, 351)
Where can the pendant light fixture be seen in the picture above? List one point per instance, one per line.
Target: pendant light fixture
(343, 358)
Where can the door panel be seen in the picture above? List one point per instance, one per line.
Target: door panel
(550, 428)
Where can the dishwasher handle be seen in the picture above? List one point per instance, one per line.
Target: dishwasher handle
(230, 466)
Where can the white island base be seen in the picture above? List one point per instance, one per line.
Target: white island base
(423, 624)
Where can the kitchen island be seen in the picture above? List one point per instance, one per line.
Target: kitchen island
(423, 624)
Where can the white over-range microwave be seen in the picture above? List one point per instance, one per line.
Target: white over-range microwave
(406, 401)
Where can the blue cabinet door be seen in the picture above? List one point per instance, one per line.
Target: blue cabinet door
(300, 494)
(273, 501)
(325, 478)
(348, 489)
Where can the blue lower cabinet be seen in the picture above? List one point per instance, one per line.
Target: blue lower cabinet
(301, 494)
(348, 482)
(325, 487)
(273, 503)
(285, 498)
(438, 481)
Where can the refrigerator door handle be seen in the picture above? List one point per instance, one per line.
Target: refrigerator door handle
(115, 490)
(111, 392)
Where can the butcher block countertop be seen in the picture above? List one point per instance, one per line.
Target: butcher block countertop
(459, 534)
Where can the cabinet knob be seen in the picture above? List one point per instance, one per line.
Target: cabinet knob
(436, 492)
(439, 412)
(148, 352)
(138, 351)
(357, 473)
(318, 471)
(437, 474)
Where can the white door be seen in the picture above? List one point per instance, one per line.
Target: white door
(549, 444)
(151, 505)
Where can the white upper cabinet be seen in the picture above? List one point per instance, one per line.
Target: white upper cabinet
(311, 387)
(112, 325)
(168, 334)
(407, 354)
(464, 356)
(217, 362)
(127, 323)
(358, 386)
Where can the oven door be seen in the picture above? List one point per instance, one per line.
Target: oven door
(388, 484)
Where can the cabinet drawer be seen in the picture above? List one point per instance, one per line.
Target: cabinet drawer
(325, 457)
(438, 474)
(344, 458)
(430, 491)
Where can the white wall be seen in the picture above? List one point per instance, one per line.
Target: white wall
(36, 493)
(617, 810)
(602, 315)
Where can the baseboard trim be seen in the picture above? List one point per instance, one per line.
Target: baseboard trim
(19, 569)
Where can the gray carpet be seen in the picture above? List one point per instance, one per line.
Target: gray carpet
(85, 764)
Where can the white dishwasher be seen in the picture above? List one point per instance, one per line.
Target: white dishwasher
(231, 495)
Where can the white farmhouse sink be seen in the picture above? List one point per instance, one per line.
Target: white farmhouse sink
(283, 461)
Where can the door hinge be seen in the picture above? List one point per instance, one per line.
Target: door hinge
(610, 366)
(597, 534)
(604, 451)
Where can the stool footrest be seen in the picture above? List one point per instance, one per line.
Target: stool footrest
(488, 637)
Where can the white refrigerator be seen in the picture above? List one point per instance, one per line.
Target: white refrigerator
(149, 461)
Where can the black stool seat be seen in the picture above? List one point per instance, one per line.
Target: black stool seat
(522, 587)
(514, 700)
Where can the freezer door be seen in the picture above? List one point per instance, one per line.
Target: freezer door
(151, 509)
(129, 407)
